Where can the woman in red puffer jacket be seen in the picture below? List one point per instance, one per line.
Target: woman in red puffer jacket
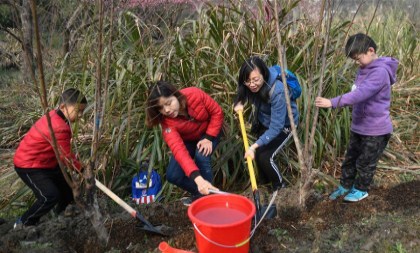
(191, 123)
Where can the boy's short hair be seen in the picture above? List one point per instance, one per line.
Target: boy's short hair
(72, 96)
(359, 44)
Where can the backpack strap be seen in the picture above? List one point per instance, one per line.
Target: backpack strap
(289, 87)
(270, 94)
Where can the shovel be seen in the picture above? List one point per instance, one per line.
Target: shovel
(268, 211)
(147, 226)
(255, 191)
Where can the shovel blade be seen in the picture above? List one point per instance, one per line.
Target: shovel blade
(147, 226)
(153, 229)
(271, 213)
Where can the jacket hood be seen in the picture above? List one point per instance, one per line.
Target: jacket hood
(389, 63)
(273, 75)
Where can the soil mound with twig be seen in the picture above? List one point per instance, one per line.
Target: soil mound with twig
(387, 221)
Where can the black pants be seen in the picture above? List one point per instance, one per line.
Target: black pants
(361, 158)
(50, 189)
(264, 158)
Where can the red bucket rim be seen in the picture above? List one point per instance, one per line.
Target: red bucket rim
(218, 196)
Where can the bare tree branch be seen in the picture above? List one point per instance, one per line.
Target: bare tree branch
(92, 211)
(26, 34)
(7, 30)
(108, 67)
(314, 66)
(307, 174)
(43, 93)
(322, 74)
(95, 141)
(281, 61)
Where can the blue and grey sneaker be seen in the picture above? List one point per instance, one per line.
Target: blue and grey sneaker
(340, 191)
(18, 224)
(355, 195)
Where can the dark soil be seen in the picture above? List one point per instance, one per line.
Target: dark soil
(387, 221)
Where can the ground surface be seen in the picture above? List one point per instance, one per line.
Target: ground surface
(387, 221)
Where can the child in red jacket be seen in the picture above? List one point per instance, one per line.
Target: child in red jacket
(36, 164)
(191, 123)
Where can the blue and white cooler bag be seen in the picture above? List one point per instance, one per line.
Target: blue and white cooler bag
(143, 193)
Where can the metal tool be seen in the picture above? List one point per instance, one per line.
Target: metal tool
(147, 226)
(255, 191)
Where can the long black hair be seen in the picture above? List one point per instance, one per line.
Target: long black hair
(243, 93)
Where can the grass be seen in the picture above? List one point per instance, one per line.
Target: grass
(10, 187)
(19, 109)
(280, 234)
(399, 248)
(8, 76)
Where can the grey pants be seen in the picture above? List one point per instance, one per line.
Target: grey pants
(362, 155)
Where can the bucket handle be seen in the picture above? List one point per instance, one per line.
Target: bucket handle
(222, 245)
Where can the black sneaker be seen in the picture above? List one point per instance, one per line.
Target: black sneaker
(186, 201)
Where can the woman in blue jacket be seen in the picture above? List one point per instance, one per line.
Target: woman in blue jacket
(258, 84)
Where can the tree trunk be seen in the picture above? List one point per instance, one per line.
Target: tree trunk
(27, 45)
(91, 208)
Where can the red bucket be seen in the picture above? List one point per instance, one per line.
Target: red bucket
(222, 223)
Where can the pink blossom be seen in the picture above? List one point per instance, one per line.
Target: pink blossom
(149, 3)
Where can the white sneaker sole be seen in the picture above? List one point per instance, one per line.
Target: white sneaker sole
(356, 200)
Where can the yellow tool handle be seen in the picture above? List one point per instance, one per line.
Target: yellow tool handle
(248, 159)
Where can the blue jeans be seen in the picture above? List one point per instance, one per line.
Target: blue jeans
(175, 175)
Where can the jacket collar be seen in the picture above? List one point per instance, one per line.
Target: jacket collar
(61, 114)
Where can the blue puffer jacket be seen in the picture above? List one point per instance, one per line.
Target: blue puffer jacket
(273, 115)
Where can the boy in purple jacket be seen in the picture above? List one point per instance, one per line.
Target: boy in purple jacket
(371, 125)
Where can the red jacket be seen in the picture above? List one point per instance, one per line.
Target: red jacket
(35, 151)
(206, 117)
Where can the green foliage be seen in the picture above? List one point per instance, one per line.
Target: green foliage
(406, 177)
(6, 16)
(280, 234)
(399, 248)
(319, 187)
(13, 191)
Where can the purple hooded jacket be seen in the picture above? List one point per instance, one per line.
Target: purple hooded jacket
(372, 98)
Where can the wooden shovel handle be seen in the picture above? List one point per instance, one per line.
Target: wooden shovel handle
(117, 199)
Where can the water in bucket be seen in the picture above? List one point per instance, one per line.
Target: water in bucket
(220, 215)
(222, 223)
